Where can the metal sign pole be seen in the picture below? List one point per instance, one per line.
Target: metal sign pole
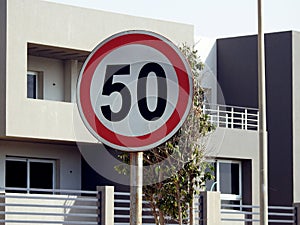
(263, 139)
(136, 181)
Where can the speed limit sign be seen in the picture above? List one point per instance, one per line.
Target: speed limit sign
(134, 90)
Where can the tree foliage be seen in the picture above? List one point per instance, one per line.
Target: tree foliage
(175, 170)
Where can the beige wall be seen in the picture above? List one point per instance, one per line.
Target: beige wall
(62, 26)
(2, 67)
(296, 115)
(68, 160)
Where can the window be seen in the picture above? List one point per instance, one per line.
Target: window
(30, 173)
(32, 83)
(228, 180)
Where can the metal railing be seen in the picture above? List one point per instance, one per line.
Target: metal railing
(122, 210)
(54, 206)
(48, 206)
(232, 116)
(250, 213)
(199, 210)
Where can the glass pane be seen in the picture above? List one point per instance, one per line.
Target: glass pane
(229, 178)
(41, 175)
(31, 86)
(16, 174)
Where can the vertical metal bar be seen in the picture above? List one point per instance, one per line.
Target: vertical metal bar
(242, 120)
(136, 182)
(263, 146)
(28, 176)
(246, 119)
(99, 204)
(53, 176)
(201, 211)
(226, 120)
(257, 119)
(218, 116)
(295, 215)
(232, 117)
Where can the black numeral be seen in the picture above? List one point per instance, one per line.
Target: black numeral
(110, 87)
(142, 91)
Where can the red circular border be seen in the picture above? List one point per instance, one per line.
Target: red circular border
(86, 79)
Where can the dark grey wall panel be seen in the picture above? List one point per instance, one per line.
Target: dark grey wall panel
(237, 76)
(3, 20)
(279, 117)
(247, 182)
(237, 70)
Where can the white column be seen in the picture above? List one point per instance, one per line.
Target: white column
(106, 204)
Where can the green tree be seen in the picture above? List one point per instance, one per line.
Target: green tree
(175, 170)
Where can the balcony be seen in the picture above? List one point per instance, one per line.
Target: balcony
(232, 117)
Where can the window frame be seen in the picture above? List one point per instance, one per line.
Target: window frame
(229, 196)
(216, 185)
(28, 161)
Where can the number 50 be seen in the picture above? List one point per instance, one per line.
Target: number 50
(110, 87)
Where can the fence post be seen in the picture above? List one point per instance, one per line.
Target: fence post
(297, 213)
(105, 205)
(210, 208)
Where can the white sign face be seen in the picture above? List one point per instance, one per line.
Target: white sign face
(134, 90)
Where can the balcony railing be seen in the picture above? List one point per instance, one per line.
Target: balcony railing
(232, 116)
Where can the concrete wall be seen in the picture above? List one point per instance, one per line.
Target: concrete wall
(296, 115)
(67, 157)
(240, 145)
(59, 77)
(2, 67)
(211, 208)
(53, 76)
(237, 75)
(71, 74)
(209, 75)
(63, 26)
(207, 50)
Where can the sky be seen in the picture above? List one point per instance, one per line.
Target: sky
(211, 18)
